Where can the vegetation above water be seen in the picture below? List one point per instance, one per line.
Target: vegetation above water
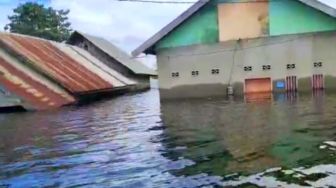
(37, 20)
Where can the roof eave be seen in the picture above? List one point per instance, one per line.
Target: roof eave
(320, 6)
(72, 36)
(147, 46)
(143, 49)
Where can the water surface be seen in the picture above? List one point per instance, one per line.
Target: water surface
(136, 141)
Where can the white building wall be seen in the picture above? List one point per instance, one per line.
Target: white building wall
(302, 50)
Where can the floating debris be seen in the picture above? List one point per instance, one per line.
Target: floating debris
(330, 145)
(318, 176)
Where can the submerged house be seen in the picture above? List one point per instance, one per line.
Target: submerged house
(37, 74)
(114, 58)
(248, 46)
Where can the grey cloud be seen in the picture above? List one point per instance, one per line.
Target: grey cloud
(117, 20)
(127, 24)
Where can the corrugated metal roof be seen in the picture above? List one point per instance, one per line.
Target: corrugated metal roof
(91, 63)
(40, 74)
(52, 62)
(116, 53)
(35, 92)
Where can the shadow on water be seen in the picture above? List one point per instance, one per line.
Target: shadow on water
(134, 141)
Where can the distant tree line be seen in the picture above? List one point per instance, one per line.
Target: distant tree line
(37, 20)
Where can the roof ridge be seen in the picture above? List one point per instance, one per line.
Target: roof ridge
(147, 45)
(121, 56)
(171, 26)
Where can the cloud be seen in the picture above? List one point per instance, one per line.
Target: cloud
(119, 21)
(126, 24)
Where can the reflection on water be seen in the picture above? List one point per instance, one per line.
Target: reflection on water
(134, 141)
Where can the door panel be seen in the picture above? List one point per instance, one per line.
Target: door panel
(317, 82)
(258, 85)
(291, 83)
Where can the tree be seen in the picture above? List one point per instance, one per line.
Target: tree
(36, 20)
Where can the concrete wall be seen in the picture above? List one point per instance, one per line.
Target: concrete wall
(142, 81)
(302, 50)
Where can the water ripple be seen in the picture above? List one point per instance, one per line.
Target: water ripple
(138, 141)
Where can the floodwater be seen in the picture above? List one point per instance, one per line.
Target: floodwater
(134, 141)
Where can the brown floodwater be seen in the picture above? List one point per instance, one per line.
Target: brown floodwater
(138, 141)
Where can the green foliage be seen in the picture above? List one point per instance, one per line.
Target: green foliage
(36, 20)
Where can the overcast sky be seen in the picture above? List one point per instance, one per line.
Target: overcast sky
(126, 24)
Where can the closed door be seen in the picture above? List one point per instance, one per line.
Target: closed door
(291, 83)
(318, 81)
(258, 85)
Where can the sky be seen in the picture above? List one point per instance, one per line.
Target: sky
(126, 24)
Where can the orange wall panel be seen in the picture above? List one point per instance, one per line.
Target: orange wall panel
(243, 20)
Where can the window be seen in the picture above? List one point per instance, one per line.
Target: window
(248, 68)
(266, 67)
(280, 84)
(175, 74)
(317, 64)
(291, 66)
(195, 73)
(215, 71)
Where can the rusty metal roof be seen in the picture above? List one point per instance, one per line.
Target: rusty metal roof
(35, 92)
(53, 63)
(41, 74)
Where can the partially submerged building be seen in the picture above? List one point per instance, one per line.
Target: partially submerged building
(250, 46)
(114, 58)
(37, 74)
